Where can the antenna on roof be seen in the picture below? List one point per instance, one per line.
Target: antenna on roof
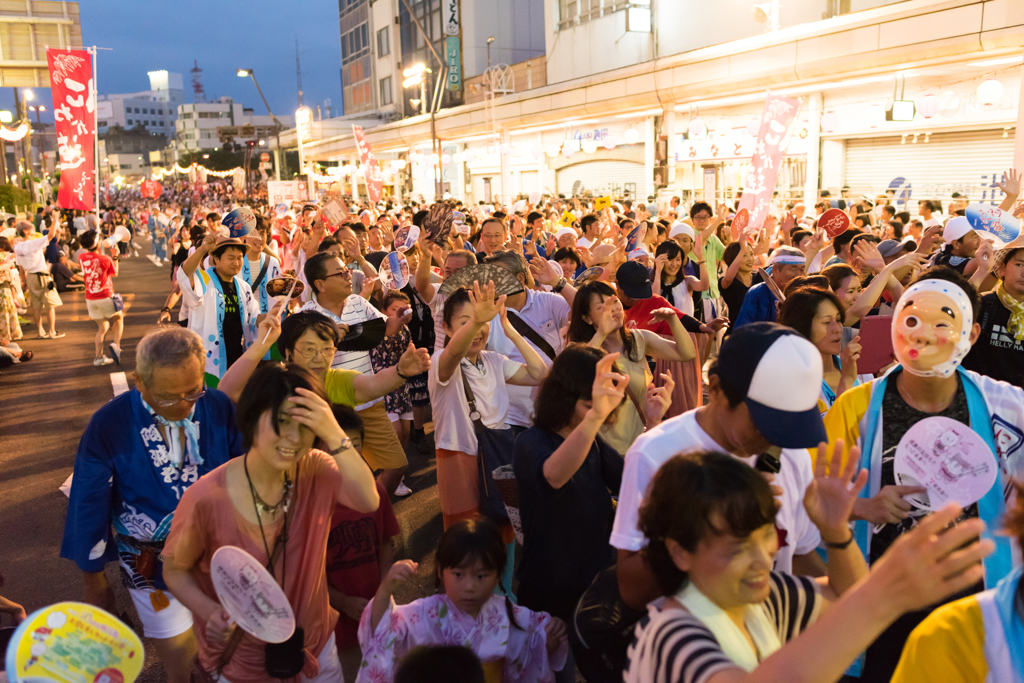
(298, 70)
(199, 95)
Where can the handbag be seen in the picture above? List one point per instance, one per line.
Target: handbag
(494, 449)
(118, 302)
(603, 626)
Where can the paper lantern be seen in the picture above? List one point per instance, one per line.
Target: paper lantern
(990, 92)
(400, 163)
(928, 106)
(567, 151)
(571, 144)
(505, 148)
(723, 127)
(446, 158)
(609, 143)
(875, 115)
(697, 129)
(554, 150)
(753, 126)
(829, 121)
(632, 136)
(536, 151)
(433, 160)
(589, 146)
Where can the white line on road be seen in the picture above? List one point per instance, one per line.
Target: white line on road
(120, 382)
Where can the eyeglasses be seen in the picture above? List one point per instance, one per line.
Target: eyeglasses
(340, 272)
(191, 398)
(309, 352)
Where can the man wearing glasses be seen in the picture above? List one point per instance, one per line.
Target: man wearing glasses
(138, 455)
(331, 285)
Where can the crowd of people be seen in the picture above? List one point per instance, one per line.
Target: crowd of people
(661, 453)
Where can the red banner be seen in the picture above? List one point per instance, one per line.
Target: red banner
(778, 114)
(74, 104)
(371, 170)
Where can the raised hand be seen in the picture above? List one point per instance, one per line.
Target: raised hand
(658, 400)
(868, 254)
(609, 388)
(849, 357)
(1011, 183)
(484, 305)
(830, 497)
(663, 315)
(414, 361)
(400, 572)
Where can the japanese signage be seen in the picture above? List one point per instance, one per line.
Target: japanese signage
(453, 56)
(74, 105)
(285, 191)
(371, 171)
(451, 17)
(778, 114)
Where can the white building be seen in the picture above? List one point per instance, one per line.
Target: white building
(155, 109)
(208, 125)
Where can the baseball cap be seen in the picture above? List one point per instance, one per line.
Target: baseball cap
(779, 373)
(680, 229)
(956, 228)
(635, 282)
(889, 248)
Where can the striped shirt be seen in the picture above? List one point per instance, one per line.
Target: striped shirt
(673, 646)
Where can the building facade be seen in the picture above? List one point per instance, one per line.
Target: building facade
(209, 125)
(154, 110)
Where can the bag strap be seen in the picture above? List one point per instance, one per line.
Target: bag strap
(474, 414)
(636, 404)
(263, 273)
(523, 328)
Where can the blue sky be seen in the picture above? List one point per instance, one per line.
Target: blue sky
(222, 36)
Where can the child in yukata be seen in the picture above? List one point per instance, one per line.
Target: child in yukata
(512, 642)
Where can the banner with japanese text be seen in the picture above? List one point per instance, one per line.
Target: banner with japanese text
(74, 103)
(778, 114)
(371, 169)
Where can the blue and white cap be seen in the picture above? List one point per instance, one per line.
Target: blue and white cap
(779, 373)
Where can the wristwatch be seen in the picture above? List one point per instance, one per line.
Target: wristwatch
(560, 285)
(346, 443)
(404, 377)
(840, 546)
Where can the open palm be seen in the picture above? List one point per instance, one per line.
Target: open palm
(830, 497)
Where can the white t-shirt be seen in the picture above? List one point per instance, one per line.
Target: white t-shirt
(682, 434)
(547, 314)
(584, 242)
(453, 428)
(931, 222)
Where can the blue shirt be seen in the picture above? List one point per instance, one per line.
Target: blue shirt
(124, 479)
(52, 253)
(758, 306)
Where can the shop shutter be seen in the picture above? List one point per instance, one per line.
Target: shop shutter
(529, 181)
(601, 178)
(968, 162)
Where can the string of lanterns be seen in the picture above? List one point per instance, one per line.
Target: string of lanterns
(164, 172)
(16, 134)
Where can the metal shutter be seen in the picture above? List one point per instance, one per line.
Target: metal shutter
(529, 181)
(605, 178)
(967, 162)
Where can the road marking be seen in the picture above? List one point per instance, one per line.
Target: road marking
(120, 382)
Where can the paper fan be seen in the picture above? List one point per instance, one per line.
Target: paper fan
(405, 238)
(504, 281)
(394, 271)
(588, 275)
(438, 223)
(364, 336)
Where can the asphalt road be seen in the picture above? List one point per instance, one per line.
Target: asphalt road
(45, 405)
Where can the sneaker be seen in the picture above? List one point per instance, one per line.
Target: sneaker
(402, 491)
(57, 335)
(42, 335)
(102, 361)
(115, 352)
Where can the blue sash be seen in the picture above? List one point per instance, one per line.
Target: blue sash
(1013, 627)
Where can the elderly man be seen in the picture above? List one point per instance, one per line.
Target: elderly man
(43, 299)
(760, 303)
(138, 455)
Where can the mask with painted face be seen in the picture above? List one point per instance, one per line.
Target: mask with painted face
(931, 331)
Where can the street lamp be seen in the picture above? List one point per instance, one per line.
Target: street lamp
(247, 73)
(42, 141)
(416, 75)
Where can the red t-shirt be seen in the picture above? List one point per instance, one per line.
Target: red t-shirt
(97, 270)
(353, 557)
(638, 316)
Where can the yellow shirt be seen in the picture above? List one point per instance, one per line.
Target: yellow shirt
(949, 645)
(340, 387)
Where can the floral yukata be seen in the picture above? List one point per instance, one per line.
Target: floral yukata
(385, 355)
(436, 621)
(126, 477)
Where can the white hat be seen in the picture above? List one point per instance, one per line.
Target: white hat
(637, 253)
(565, 231)
(956, 228)
(680, 229)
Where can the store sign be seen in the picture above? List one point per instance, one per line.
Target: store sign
(285, 191)
(453, 56)
(596, 135)
(778, 114)
(451, 17)
(371, 170)
(74, 105)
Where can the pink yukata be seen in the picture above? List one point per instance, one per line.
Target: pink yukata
(437, 621)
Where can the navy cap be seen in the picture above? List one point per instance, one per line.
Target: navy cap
(634, 280)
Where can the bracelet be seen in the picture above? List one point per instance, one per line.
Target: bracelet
(346, 444)
(399, 373)
(560, 285)
(840, 546)
(165, 309)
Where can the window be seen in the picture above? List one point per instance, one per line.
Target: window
(385, 91)
(126, 165)
(129, 122)
(161, 112)
(383, 42)
(145, 111)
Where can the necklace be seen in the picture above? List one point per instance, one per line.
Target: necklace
(262, 507)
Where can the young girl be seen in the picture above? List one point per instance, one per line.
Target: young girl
(467, 317)
(386, 354)
(513, 643)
